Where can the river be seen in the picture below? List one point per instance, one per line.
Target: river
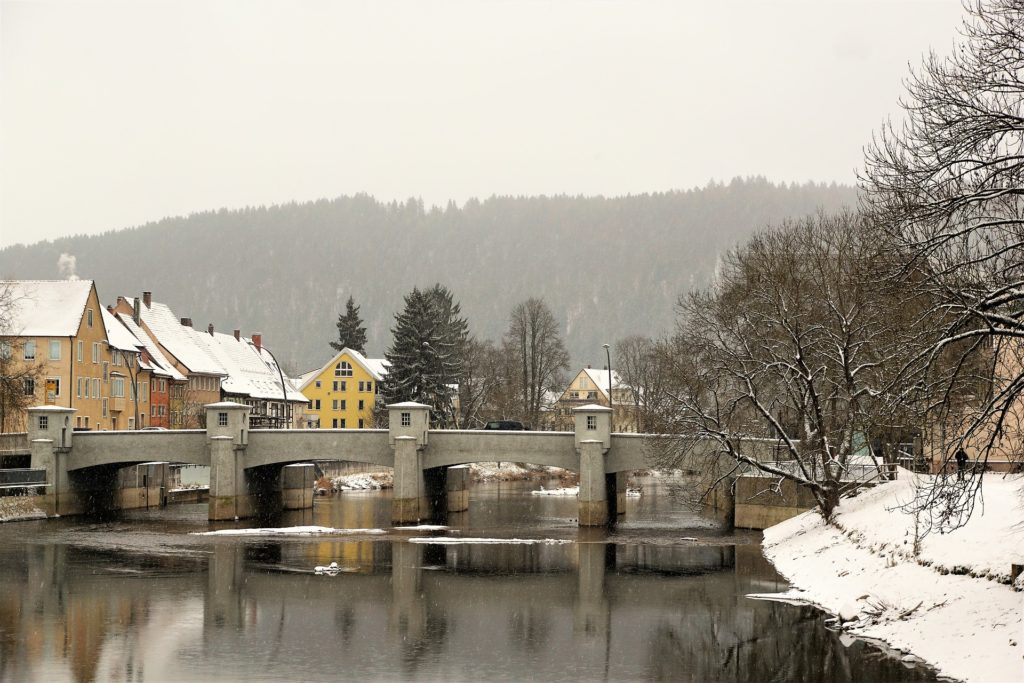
(142, 597)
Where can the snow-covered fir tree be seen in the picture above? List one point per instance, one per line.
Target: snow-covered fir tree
(429, 339)
(351, 332)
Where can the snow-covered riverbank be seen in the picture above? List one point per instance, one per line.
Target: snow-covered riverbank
(19, 508)
(952, 606)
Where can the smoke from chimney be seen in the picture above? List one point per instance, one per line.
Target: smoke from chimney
(67, 264)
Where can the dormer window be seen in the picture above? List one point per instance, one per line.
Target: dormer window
(343, 369)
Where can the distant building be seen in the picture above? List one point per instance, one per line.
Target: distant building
(342, 394)
(591, 386)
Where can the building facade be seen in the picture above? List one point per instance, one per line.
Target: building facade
(343, 393)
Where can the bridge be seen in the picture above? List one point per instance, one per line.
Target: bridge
(250, 471)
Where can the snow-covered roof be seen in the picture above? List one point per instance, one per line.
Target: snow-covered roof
(302, 380)
(161, 365)
(179, 340)
(118, 336)
(248, 371)
(46, 308)
(600, 379)
(375, 367)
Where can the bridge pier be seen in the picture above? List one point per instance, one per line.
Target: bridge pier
(50, 438)
(598, 495)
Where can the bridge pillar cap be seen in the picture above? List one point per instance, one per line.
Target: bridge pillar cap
(592, 408)
(42, 440)
(592, 441)
(405, 438)
(225, 405)
(221, 438)
(408, 405)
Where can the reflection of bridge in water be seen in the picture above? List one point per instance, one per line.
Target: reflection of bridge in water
(249, 472)
(579, 603)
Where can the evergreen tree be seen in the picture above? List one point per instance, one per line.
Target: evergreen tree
(351, 332)
(429, 338)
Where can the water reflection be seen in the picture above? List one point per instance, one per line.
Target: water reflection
(230, 608)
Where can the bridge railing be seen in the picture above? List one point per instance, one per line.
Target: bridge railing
(854, 473)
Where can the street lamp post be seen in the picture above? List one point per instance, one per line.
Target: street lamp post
(608, 356)
(285, 408)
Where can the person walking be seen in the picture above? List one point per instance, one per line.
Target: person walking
(961, 464)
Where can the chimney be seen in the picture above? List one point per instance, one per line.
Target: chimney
(110, 309)
(147, 298)
(588, 366)
(187, 322)
(238, 335)
(257, 341)
(209, 328)
(136, 312)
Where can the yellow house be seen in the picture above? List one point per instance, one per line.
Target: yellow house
(343, 392)
(57, 327)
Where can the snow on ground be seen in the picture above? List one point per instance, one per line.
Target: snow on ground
(289, 531)
(442, 540)
(18, 508)
(422, 527)
(968, 625)
(510, 471)
(363, 481)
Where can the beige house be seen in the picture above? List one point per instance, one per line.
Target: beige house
(58, 326)
(591, 386)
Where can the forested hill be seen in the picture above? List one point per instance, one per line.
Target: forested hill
(608, 267)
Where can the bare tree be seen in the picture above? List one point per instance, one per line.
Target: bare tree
(788, 348)
(484, 391)
(949, 183)
(18, 377)
(539, 356)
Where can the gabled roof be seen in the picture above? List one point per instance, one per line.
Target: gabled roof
(249, 372)
(375, 367)
(179, 340)
(600, 380)
(46, 308)
(160, 364)
(118, 336)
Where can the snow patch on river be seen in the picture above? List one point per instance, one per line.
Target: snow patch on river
(441, 540)
(290, 531)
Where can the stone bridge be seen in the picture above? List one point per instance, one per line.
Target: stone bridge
(249, 472)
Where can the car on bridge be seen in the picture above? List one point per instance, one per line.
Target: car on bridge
(506, 425)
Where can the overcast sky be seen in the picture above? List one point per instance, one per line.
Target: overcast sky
(113, 114)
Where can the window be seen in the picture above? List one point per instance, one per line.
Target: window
(96, 388)
(88, 317)
(574, 394)
(5, 350)
(162, 411)
(583, 383)
(117, 387)
(362, 386)
(343, 369)
(222, 419)
(118, 361)
(318, 384)
(145, 392)
(81, 350)
(361, 405)
(344, 404)
(316, 404)
(106, 371)
(592, 422)
(104, 407)
(343, 423)
(334, 423)
(360, 423)
(78, 388)
(44, 422)
(54, 349)
(131, 423)
(344, 385)
(334, 386)
(30, 386)
(334, 404)
(406, 419)
(96, 352)
(591, 394)
(52, 388)
(369, 386)
(152, 411)
(30, 349)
